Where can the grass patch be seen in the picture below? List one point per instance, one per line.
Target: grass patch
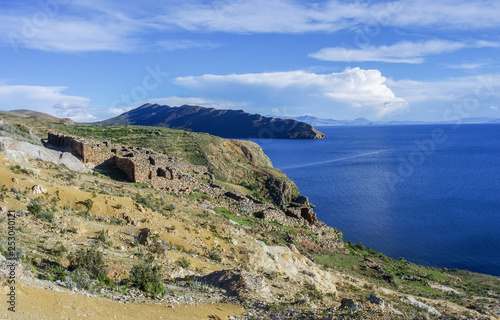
(338, 261)
(198, 195)
(244, 221)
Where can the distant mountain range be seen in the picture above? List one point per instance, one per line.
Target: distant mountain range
(319, 122)
(25, 113)
(222, 123)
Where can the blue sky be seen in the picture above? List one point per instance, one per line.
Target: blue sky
(383, 60)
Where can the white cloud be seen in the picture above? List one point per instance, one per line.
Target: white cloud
(210, 103)
(50, 100)
(467, 66)
(461, 96)
(446, 14)
(127, 26)
(493, 107)
(171, 45)
(481, 88)
(285, 16)
(354, 88)
(118, 111)
(73, 110)
(402, 52)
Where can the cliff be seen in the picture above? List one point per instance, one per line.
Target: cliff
(222, 123)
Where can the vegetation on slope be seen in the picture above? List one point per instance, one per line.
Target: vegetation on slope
(233, 161)
(84, 233)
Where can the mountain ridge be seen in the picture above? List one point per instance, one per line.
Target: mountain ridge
(225, 123)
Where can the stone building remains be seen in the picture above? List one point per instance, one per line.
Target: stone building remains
(141, 165)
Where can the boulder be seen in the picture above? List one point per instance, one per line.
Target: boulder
(38, 189)
(142, 237)
(240, 283)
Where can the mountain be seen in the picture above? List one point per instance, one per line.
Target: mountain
(223, 123)
(25, 113)
(320, 122)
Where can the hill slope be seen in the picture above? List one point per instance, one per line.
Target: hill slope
(223, 123)
(212, 252)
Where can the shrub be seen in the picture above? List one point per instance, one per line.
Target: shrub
(79, 278)
(183, 263)
(215, 257)
(89, 203)
(58, 251)
(91, 261)
(147, 278)
(36, 206)
(58, 273)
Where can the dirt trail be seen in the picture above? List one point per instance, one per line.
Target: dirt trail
(37, 304)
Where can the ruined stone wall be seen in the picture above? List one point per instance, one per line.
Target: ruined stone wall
(86, 150)
(141, 165)
(176, 176)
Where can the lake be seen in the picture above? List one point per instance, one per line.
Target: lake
(428, 193)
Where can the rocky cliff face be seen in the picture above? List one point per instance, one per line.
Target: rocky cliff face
(223, 123)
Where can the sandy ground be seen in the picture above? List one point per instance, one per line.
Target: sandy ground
(36, 303)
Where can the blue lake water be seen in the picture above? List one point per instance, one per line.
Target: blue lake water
(428, 193)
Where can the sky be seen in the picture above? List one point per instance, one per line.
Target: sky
(90, 60)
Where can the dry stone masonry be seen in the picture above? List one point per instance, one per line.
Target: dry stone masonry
(141, 165)
(176, 176)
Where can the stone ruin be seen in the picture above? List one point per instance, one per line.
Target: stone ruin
(141, 165)
(176, 176)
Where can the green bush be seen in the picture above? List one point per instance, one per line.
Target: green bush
(215, 257)
(183, 263)
(58, 251)
(36, 206)
(147, 278)
(89, 203)
(91, 261)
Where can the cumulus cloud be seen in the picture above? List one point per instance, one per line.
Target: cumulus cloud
(402, 52)
(74, 110)
(454, 89)
(463, 96)
(50, 100)
(304, 91)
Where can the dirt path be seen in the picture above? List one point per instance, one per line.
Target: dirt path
(37, 304)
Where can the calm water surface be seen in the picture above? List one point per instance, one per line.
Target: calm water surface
(428, 193)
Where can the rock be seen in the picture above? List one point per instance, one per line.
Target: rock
(282, 260)
(142, 237)
(376, 300)
(350, 304)
(240, 283)
(421, 305)
(38, 189)
(302, 200)
(21, 152)
(235, 195)
(280, 191)
(15, 181)
(140, 207)
(129, 220)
